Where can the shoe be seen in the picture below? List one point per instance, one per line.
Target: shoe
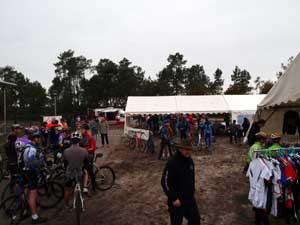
(25, 214)
(87, 194)
(39, 220)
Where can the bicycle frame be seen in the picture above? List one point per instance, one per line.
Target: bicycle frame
(77, 189)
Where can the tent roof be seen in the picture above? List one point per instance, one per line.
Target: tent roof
(242, 103)
(207, 104)
(151, 105)
(286, 91)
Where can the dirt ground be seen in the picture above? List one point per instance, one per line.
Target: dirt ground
(137, 197)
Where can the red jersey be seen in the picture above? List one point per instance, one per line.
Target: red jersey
(91, 147)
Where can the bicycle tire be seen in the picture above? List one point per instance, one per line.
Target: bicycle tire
(78, 208)
(7, 191)
(102, 178)
(142, 146)
(50, 194)
(132, 144)
(12, 206)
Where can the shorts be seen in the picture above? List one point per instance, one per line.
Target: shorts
(31, 180)
(70, 183)
(13, 169)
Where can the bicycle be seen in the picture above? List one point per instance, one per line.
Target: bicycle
(138, 141)
(104, 175)
(78, 199)
(16, 206)
(50, 193)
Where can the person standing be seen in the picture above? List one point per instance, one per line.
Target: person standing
(104, 132)
(276, 138)
(165, 133)
(261, 138)
(178, 183)
(44, 134)
(208, 131)
(76, 159)
(94, 125)
(32, 165)
(89, 144)
(183, 127)
(256, 128)
(11, 150)
(245, 126)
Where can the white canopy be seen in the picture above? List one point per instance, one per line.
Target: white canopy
(286, 92)
(207, 104)
(243, 103)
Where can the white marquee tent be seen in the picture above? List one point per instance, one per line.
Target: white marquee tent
(237, 105)
(283, 97)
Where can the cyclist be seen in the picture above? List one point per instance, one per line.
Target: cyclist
(31, 170)
(10, 150)
(76, 159)
(89, 143)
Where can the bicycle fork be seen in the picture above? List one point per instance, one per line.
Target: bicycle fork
(78, 190)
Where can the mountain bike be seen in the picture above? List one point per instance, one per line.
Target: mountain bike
(50, 193)
(104, 175)
(138, 141)
(78, 199)
(15, 206)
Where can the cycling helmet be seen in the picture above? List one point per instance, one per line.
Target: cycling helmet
(33, 132)
(58, 128)
(76, 135)
(16, 126)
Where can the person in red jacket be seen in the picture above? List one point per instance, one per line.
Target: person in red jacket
(89, 144)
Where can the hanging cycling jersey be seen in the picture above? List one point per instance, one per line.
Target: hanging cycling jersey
(274, 184)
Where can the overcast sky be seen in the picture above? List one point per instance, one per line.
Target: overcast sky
(256, 35)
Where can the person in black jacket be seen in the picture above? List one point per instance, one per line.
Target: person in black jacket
(178, 183)
(10, 150)
(256, 128)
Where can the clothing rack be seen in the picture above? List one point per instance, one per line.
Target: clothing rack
(289, 149)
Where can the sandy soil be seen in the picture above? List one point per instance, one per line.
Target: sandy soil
(137, 197)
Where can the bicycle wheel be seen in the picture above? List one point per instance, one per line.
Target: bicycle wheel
(12, 208)
(105, 178)
(7, 191)
(132, 144)
(50, 194)
(78, 208)
(142, 146)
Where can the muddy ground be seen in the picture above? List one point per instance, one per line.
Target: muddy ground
(137, 197)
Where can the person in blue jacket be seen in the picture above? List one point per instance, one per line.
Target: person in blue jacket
(208, 132)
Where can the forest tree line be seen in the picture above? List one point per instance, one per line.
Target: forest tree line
(110, 84)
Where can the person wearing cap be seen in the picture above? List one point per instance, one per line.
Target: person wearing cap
(11, 151)
(178, 183)
(89, 144)
(276, 138)
(32, 165)
(261, 138)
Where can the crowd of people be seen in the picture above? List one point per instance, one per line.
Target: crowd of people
(77, 148)
(185, 128)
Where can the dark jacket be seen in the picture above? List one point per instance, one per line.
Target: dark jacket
(10, 149)
(178, 179)
(254, 130)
